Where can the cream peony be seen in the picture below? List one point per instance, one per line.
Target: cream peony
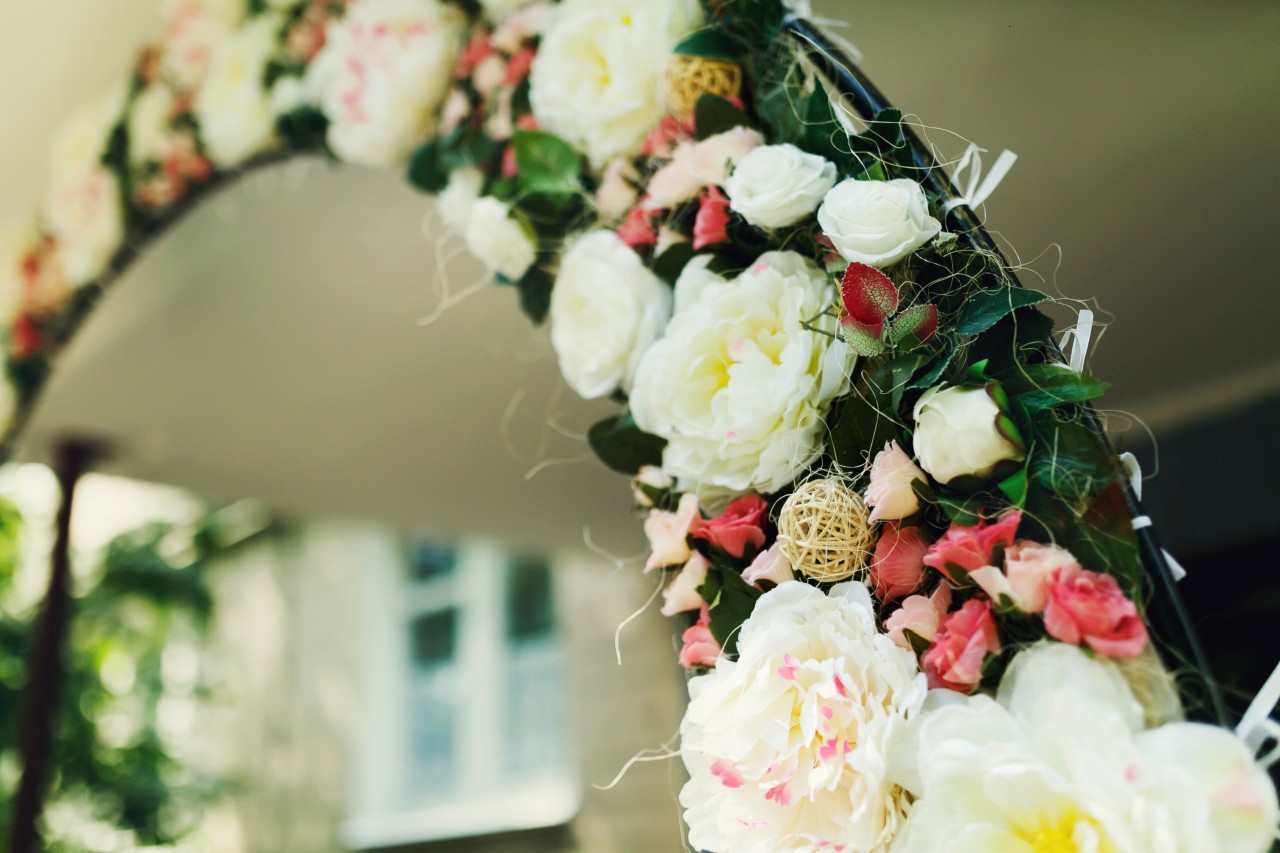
(598, 77)
(779, 185)
(1058, 762)
(607, 309)
(233, 105)
(83, 209)
(959, 433)
(190, 31)
(500, 240)
(791, 746)
(737, 387)
(383, 73)
(877, 223)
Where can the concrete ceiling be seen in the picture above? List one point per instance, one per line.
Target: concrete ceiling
(268, 346)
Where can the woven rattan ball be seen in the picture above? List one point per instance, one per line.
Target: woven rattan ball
(823, 531)
(690, 77)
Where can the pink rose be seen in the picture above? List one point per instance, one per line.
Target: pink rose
(682, 593)
(890, 492)
(695, 165)
(668, 533)
(1025, 579)
(769, 565)
(700, 647)
(478, 49)
(637, 228)
(960, 647)
(1088, 607)
(897, 567)
(488, 74)
(662, 140)
(920, 616)
(616, 193)
(518, 66)
(970, 547)
(713, 216)
(741, 524)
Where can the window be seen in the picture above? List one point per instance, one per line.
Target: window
(464, 716)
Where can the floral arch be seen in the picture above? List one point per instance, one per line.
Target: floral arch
(907, 560)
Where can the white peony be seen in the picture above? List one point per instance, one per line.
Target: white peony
(738, 387)
(1058, 762)
(607, 309)
(457, 198)
(598, 78)
(958, 433)
(190, 31)
(791, 746)
(500, 240)
(83, 209)
(779, 185)
(233, 106)
(383, 73)
(877, 223)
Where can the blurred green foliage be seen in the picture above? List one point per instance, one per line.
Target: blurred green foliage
(131, 658)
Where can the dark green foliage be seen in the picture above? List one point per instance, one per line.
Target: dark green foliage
(623, 446)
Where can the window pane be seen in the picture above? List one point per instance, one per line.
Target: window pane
(536, 710)
(430, 561)
(434, 637)
(433, 742)
(530, 604)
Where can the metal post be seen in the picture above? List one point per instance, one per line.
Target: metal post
(1167, 615)
(45, 666)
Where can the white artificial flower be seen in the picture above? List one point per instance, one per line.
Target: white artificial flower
(890, 492)
(497, 10)
(779, 185)
(233, 106)
(957, 433)
(498, 238)
(695, 277)
(190, 31)
(607, 309)
(616, 193)
(695, 165)
(738, 387)
(518, 27)
(1058, 762)
(792, 746)
(598, 78)
(457, 198)
(150, 125)
(681, 594)
(83, 209)
(382, 74)
(877, 223)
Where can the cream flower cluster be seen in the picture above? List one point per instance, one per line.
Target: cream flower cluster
(738, 387)
(790, 746)
(382, 75)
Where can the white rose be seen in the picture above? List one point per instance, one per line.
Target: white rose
(607, 309)
(877, 223)
(738, 387)
(499, 239)
(616, 195)
(457, 198)
(790, 747)
(233, 105)
(778, 185)
(598, 78)
(383, 73)
(190, 31)
(83, 209)
(961, 431)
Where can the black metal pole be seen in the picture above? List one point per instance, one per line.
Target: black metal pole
(45, 666)
(1167, 614)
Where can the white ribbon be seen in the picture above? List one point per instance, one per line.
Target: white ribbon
(1134, 469)
(977, 189)
(1256, 726)
(1075, 341)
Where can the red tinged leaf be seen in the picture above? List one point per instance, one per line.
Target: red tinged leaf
(918, 321)
(869, 296)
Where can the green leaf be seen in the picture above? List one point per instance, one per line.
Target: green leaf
(713, 114)
(427, 170)
(547, 164)
(930, 377)
(732, 605)
(1069, 460)
(709, 43)
(535, 292)
(623, 446)
(859, 430)
(1014, 487)
(919, 645)
(861, 340)
(671, 263)
(986, 308)
(304, 129)
(1043, 386)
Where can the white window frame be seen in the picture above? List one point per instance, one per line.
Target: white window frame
(485, 803)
